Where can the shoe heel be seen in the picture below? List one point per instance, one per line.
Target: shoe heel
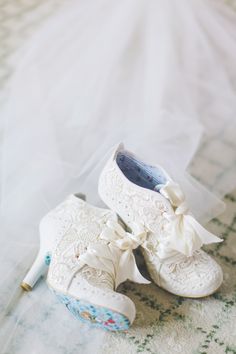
(38, 269)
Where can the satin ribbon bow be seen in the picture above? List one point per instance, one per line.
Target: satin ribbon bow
(186, 235)
(115, 255)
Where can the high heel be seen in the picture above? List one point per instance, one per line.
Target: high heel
(38, 269)
(49, 235)
(42, 260)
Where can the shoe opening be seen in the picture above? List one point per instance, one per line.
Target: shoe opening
(138, 172)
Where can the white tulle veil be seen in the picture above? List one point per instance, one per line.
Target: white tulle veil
(159, 76)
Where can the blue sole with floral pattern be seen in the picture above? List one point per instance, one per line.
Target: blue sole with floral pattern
(96, 316)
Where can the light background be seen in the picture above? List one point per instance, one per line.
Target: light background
(165, 323)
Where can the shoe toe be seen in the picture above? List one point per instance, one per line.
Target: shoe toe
(211, 278)
(198, 276)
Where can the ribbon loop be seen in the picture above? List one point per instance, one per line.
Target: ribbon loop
(115, 256)
(185, 234)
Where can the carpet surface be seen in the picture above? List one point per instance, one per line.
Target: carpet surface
(165, 323)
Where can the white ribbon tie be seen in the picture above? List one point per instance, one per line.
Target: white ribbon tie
(186, 235)
(115, 254)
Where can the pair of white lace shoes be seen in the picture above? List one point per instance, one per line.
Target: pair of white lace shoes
(89, 250)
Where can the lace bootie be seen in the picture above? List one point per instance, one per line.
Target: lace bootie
(91, 254)
(146, 194)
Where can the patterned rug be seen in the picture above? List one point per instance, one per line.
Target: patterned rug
(165, 323)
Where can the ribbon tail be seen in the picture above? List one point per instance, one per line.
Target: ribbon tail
(127, 269)
(188, 235)
(206, 236)
(180, 239)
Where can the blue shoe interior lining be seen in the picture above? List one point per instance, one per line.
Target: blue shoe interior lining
(143, 175)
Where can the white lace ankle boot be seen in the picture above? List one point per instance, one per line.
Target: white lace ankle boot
(146, 194)
(90, 257)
